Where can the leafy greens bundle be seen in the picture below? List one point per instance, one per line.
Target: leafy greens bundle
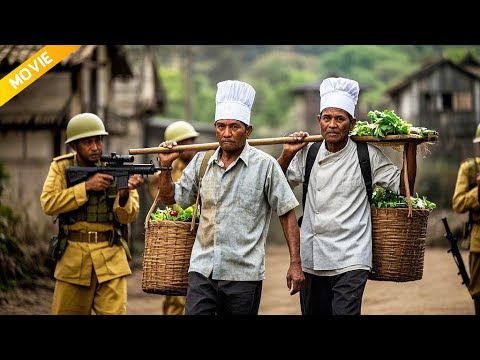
(385, 123)
(382, 198)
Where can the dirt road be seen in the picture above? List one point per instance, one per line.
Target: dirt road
(439, 292)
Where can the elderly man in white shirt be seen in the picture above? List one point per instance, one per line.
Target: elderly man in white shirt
(336, 232)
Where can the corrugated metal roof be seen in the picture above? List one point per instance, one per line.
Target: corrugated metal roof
(17, 54)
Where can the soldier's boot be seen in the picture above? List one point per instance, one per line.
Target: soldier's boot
(476, 301)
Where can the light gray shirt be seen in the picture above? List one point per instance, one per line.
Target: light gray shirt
(336, 231)
(237, 205)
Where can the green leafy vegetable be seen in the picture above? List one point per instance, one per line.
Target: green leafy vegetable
(385, 123)
(174, 213)
(382, 198)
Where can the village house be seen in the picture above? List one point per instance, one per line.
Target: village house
(95, 78)
(443, 96)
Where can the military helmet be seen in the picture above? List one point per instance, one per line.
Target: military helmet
(180, 130)
(477, 135)
(84, 125)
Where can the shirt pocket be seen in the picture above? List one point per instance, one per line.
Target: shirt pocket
(251, 198)
(349, 189)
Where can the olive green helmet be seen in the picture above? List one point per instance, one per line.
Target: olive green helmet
(180, 130)
(84, 125)
(477, 135)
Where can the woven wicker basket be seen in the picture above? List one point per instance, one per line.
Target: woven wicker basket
(398, 244)
(166, 256)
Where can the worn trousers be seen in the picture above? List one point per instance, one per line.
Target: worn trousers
(107, 298)
(206, 296)
(333, 295)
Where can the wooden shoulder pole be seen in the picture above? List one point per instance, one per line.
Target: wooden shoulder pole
(389, 139)
(214, 145)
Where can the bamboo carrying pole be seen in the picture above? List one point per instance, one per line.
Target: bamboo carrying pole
(214, 145)
(282, 140)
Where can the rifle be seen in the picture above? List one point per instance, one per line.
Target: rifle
(114, 166)
(456, 253)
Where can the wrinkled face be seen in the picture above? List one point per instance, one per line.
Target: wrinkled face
(232, 134)
(89, 149)
(187, 156)
(335, 124)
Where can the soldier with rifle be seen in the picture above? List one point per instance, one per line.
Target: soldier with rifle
(466, 199)
(90, 249)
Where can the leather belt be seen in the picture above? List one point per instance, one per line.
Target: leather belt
(89, 237)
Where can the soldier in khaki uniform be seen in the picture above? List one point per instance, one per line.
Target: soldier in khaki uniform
(466, 198)
(184, 134)
(93, 216)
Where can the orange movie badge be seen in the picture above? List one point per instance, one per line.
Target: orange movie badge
(30, 70)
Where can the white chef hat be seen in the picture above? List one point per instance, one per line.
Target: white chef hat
(340, 93)
(234, 100)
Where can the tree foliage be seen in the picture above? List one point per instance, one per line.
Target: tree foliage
(276, 70)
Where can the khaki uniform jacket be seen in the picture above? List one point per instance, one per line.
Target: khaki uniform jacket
(465, 199)
(75, 266)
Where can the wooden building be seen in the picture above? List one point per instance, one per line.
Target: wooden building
(444, 96)
(94, 78)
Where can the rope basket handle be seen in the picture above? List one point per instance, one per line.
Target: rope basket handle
(203, 167)
(155, 203)
(195, 207)
(405, 180)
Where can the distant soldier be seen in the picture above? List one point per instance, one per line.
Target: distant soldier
(184, 134)
(466, 198)
(93, 216)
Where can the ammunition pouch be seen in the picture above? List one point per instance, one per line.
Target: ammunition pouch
(56, 248)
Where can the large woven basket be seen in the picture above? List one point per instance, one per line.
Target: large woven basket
(166, 257)
(398, 244)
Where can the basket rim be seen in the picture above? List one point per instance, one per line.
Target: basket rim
(400, 209)
(171, 221)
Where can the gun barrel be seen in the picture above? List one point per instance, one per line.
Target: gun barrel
(457, 256)
(445, 223)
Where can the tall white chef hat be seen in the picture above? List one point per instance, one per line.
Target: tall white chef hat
(340, 93)
(234, 100)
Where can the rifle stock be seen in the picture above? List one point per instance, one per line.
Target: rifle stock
(457, 256)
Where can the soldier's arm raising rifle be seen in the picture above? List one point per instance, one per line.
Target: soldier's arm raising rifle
(115, 166)
(456, 253)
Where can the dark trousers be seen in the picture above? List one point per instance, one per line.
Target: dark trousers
(333, 295)
(206, 296)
